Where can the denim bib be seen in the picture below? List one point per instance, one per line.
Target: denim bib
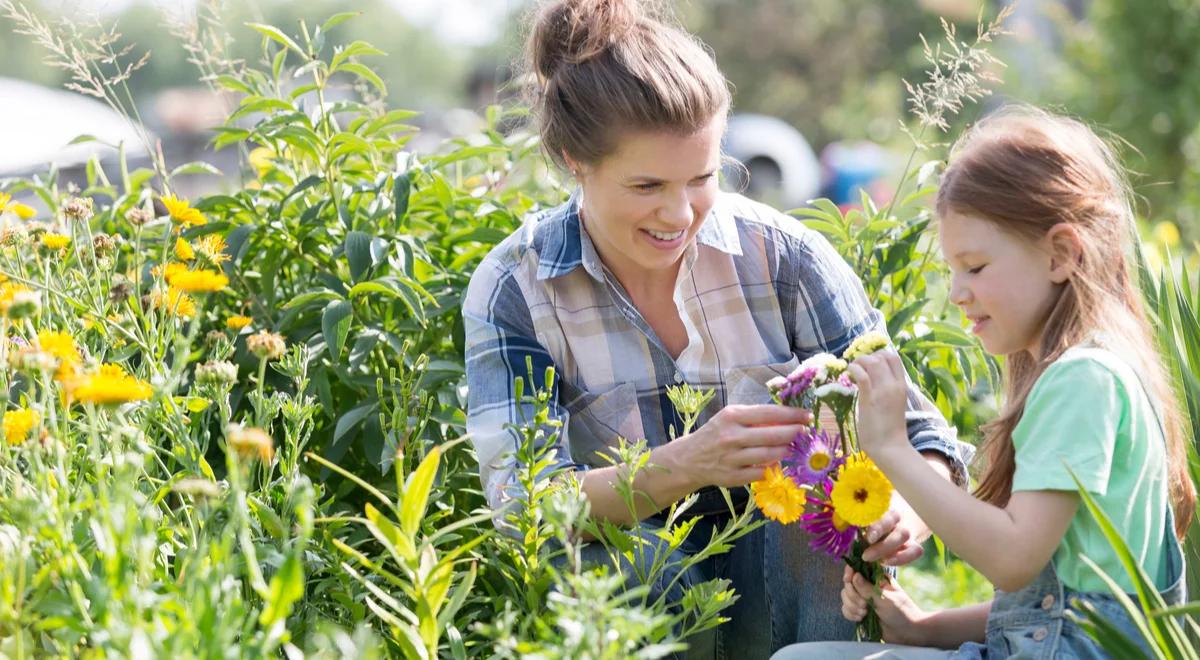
(1033, 624)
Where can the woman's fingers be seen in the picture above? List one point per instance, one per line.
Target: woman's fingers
(907, 554)
(853, 607)
(758, 456)
(766, 436)
(767, 415)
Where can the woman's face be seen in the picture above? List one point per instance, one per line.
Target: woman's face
(644, 203)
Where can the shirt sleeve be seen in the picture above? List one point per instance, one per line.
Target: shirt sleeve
(830, 310)
(1070, 424)
(500, 346)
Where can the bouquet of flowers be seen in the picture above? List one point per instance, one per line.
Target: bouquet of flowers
(834, 490)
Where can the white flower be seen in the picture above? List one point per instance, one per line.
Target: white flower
(827, 365)
(837, 387)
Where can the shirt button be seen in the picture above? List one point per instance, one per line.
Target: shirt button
(1048, 602)
(678, 377)
(1040, 634)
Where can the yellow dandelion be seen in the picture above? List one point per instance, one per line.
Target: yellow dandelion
(861, 493)
(237, 322)
(53, 241)
(7, 205)
(213, 248)
(18, 423)
(183, 250)
(778, 496)
(110, 385)
(176, 302)
(182, 212)
(170, 269)
(59, 344)
(197, 281)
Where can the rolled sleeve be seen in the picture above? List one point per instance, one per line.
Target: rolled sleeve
(831, 311)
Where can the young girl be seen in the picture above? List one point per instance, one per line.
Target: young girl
(1035, 224)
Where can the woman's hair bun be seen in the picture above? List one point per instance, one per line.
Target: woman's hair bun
(575, 31)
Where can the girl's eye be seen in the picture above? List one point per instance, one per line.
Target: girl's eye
(975, 270)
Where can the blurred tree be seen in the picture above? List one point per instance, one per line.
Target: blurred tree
(420, 71)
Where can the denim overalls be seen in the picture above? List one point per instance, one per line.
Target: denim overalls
(1032, 623)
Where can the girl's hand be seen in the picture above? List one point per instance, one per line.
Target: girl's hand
(900, 617)
(882, 395)
(734, 447)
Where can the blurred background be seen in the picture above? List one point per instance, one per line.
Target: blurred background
(820, 98)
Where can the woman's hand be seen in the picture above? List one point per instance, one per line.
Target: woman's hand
(882, 395)
(733, 447)
(899, 615)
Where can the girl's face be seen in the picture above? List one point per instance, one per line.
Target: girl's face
(1004, 284)
(643, 204)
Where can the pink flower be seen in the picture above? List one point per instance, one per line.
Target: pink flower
(831, 534)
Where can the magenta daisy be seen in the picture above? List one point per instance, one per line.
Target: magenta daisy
(812, 458)
(831, 534)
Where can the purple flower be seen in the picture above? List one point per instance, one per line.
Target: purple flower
(792, 392)
(813, 457)
(831, 534)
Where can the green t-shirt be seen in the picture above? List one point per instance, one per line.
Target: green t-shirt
(1089, 411)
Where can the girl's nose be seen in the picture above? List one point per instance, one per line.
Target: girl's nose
(959, 294)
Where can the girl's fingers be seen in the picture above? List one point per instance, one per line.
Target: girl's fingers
(882, 527)
(863, 589)
(894, 363)
(859, 376)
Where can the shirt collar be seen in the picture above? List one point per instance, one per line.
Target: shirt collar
(563, 245)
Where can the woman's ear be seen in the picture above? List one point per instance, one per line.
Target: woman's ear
(572, 165)
(1066, 251)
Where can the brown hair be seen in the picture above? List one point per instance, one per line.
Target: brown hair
(607, 66)
(1027, 171)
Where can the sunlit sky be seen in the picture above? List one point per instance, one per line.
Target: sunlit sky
(462, 22)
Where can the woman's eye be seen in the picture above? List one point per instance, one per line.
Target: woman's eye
(701, 180)
(645, 187)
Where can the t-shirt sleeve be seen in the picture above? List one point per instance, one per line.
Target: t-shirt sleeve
(1070, 424)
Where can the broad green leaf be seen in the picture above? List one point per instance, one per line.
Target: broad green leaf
(358, 254)
(287, 586)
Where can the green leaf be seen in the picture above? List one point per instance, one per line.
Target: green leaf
(272, 32)
(338, 19)
(311, 297)
(335, 325)
(195, 167)
(363, 72)
(416, 492)
(358, 254)
(351, 419)
(287, 586)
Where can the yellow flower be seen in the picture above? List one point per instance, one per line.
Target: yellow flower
(18, 423)
(778, 496)
(866, 344)
(250, 442)
(9, 291)
(213, 248)
(183, 250)
(237, 322)
(175, 301)
(182, 212)
(197, 281)
(861, 493)
(109, 386)
(53, 241)
(7, 205)
(171, 269)
(59, 344)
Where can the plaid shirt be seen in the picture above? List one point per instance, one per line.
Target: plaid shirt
(758, 292)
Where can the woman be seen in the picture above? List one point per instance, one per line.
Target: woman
(650, 276)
